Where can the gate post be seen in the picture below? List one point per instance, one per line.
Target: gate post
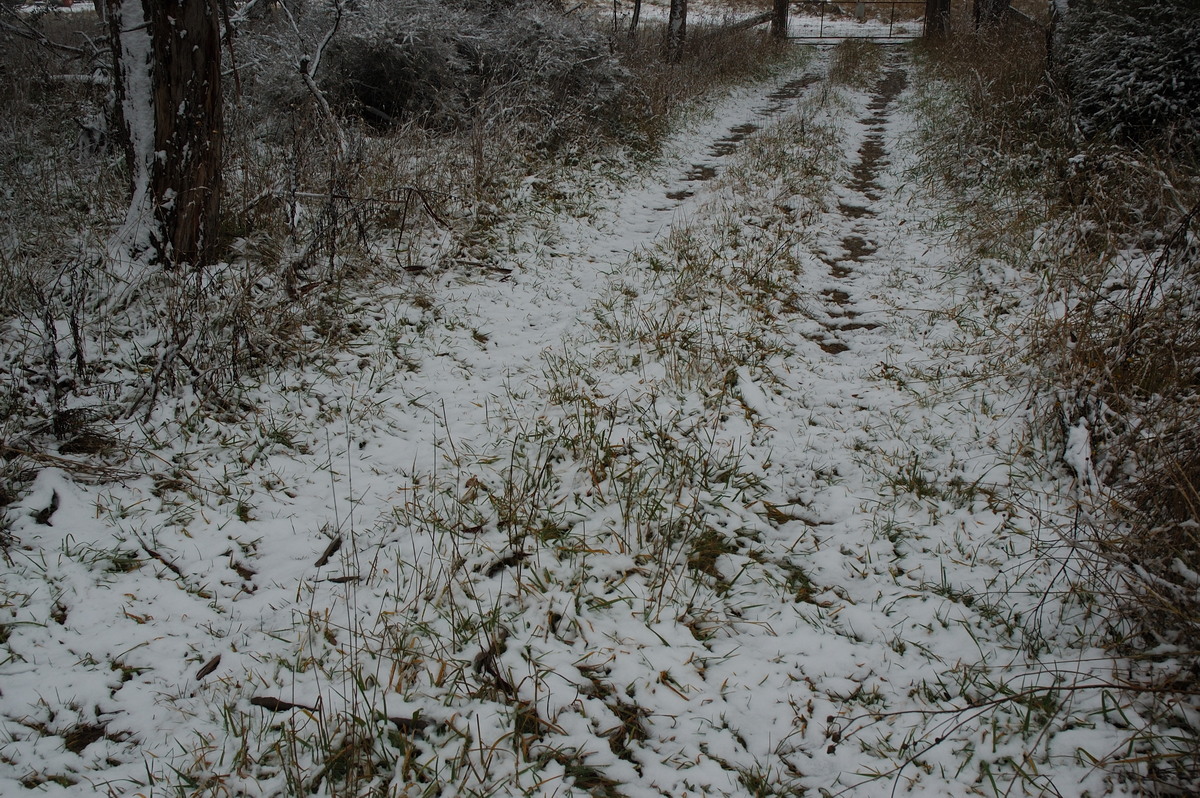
(937, 18)
(779, 20)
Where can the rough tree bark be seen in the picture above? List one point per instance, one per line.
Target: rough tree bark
(167, 57)
(676, 29)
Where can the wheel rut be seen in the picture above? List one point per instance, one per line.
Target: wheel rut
(856, 219)
(778, 101)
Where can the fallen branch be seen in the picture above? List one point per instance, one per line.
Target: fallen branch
(411, 191)
(750, 22)
(79, 80)
(162, 559)
(26, 31)
(76, 468)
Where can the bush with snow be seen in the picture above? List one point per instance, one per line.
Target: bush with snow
(1133, 70)
(445, 66)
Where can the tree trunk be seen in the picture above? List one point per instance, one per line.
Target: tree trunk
(637, 13)
(779, 22)
(168, 63)
(937, 18)
(676, 29)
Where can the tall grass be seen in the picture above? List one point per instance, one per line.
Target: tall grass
(1111, 230)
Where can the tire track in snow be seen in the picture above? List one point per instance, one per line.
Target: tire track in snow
(895, 453)
(858, 220)
(552, 284)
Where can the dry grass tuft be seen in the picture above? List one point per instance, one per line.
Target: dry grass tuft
(856, 62)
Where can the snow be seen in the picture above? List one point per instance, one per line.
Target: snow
(1078, 454)
(715, 489)
(137, 110)
(827, 23)
(78, 7)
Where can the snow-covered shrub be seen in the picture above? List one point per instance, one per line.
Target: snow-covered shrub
(1133, 70)
(448, 67)
(561, 65)
(57, 191)
(1132, 379)
(408, 60)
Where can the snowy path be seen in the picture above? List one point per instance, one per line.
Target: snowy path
(552, 283)
(713, 492)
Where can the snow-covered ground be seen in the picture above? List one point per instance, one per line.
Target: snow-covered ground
(717, 486)
(57, 6)
(817, 22)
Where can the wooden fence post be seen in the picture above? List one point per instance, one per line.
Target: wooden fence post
(937, 18)
(779, 19)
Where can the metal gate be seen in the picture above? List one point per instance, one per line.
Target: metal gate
(884, 21)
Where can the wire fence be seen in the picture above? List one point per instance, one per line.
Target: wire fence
(880, 20)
